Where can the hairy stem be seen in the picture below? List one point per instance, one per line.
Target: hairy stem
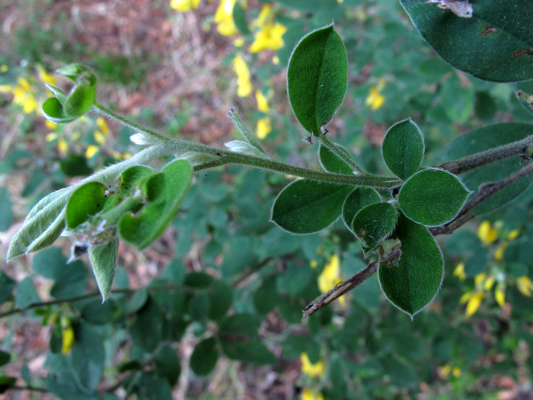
(339, 153)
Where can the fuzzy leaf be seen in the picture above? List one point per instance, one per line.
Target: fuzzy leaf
(403, 148)
(307, 206)
(86, 201)
(358, 199)
(103, 262)
(432, 197)
(415, 282)
(493, 44)
(374, 223)
(317, 78)
(165, 192)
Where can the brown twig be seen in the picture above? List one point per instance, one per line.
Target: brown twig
(484, 192)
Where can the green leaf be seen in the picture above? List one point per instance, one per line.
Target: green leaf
(80, 100)
(266, 296)
(58, 93)
(432, 197)
(153, 387)
(75, 165)
(76, 72)
(87, 201)
(483, 139)
(6, 286)
(147, 330)
(493, 44)
(26, 294)
(251, 350)
(4, 358)
(220, 299)
(165, 192)
(374, 223)
(240, 324)
(317, 78)
(132, 176)
(103, 261)
(52, 110)
(333, 163)
(357, 200)
(403, 148)
(524, 91)
(307, 206)
(199, 306)
(239, 17)
(42, 226)
(96, 313)
(6, 216)
(204, 357)
(415, 282)
(6, 382)
(167, 364)
(88, 355)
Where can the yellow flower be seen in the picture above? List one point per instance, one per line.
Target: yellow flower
(312, 370)
(262, 104)
(313, 264)
(50, 137)
(311, 394)
(23, 95)
(45, 76)
(50, 125)
(263, 18)
(473, 301)
(224, 18)
(68, 335)
(498, 254)
(62, 146)
(486, 233)
(244, 86)
(331, 276)
(102, 125)
(275, 60)
(444, 371)
(489, 282)
(99, 137)
(524, 285)
(263, 127)
(456, 372)
(4, 68)
(184, 5)
(269, 37)
(375, 99)
(91, 151)
(513, 234)
(460, 271)
(499, 295)
(238, 42)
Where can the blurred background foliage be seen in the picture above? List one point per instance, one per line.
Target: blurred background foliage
(213, 309)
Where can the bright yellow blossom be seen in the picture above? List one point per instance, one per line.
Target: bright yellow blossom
(524, 285)
(239, 42)
(331, 276)
(91, 151)
(375, 99)
(68, 335)
(313, 264)
(50, 137)
(498, 254)
(45, 76)
(473, 301)
(489, 282)
(224, 18)
(244, 86)
(513, 234)
(499, 295)
(486, 233)
(263, 127)
(269, 37)
(99, 137)
(262, 104)
(62, 146)
(456, 372)
(184, 5)
(22, 94)
(50, 125)
(275, 60)
(102, 125)
(311, 394)
(459, 271)
(312, 370)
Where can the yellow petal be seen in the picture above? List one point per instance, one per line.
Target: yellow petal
(262, 104)
(486, 233)
(50, 137)
(311, 394)
(263, 127)
(500, 251)
(330, 276)
(99, 137)
(6, 88)
(275, 60)
(499, 295)
(91, 151)
(224, 18)
(456, 372)
(313, 264)
(45, 76)
(102, 125)
(312, 370)
(489, 282)
(62, 146)
(464, 298)
(459, 271)
(473, 304)
(4, 68)
(480, 278)
(524, 285)
(68, 340)
(238, 42)
(50, 125)
(262, 18)
(513, 234)
(184, 5)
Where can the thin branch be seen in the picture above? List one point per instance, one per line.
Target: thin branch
(522, 148)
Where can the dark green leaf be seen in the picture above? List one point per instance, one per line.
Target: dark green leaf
(87, 201)
(165, 192)
(103, 261)
(295, 279)
(415, 282)
(333, 163)
(249, 350)
(72, 282)
(239, 17)
(25, 373)
(307, 206)
(6, 382)
(199, 306)
(220, 299)
(6, 286)
(6, 216)
(50, 263)
(483, 139)
(403, 148)
(493, 43)
(26, 294)
(456, 100)
(240, 324)
(75, 165)
(266, 296)
(137, 301)
(204, 357)
(167, 364)
(374, 223)
(88, 355)
(65, 385)
(147, 330)
(317, 78)
(42, 226)
(432, 197)
(4, 358)
(96, 313)
(154, 387)
(358, 199)
(52, 110)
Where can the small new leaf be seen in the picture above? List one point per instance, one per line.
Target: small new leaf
(103, 260)
(403, 148)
